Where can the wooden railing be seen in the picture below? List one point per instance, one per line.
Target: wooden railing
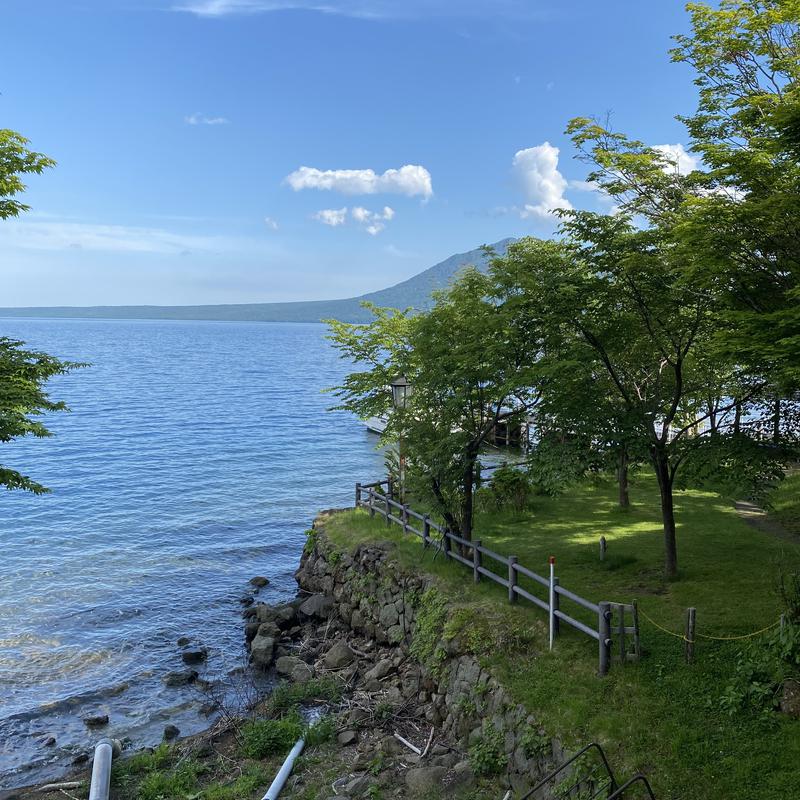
(377, 498)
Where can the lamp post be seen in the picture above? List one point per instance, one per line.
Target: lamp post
(401, 390)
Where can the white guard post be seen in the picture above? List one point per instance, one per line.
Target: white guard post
(552, 599)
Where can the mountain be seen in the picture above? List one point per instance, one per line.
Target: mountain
(414, 293)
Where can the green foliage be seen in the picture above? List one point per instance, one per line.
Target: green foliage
(251, 782)
(534, 743)
(17, 160)
(320, 732)
(261, 738)
(431, 617)
(761, 669)
(287, 695)
(510, 489)
(487, 755)
(310, 542)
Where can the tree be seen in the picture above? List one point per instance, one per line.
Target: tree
(23, 373)
(468, 372)
(16, 160)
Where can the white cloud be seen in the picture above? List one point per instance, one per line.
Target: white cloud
(201, 119)
(373, 222)
(332, 216)
(105, 238)
(371, 9)
(681, 161)
(409, 180)
(271, 223)
(537, 170)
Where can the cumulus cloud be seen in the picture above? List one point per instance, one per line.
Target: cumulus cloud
(271, 223)
(410, 180)
(201, 119)
(681, 160)
(537, 170)
(373, 222)
(332, 216)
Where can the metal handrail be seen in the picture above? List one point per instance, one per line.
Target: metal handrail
(620, 793)
(558, 770)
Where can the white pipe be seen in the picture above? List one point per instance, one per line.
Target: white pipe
(101, 769)
(284, 772)
(552, 599)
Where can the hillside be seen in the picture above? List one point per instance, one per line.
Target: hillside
(414, 292)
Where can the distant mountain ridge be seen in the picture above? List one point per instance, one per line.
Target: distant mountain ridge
(412, 293)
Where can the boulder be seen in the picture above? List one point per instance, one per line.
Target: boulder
(318, 605)
(285, 664)
(339, 656)
(170, 732)
(250, 630)
(180, 677)
(302, 673)
(346, 738)
(194, 655)
(425, 781)
(259, 581)
(380, 670)
(262, 650)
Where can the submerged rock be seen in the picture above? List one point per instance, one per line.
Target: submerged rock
(95, 720)
(194, 655)
(259, 581)
(180, 677)
(171, 732)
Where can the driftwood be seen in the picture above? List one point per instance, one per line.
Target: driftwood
(58, 787)
(407, 744)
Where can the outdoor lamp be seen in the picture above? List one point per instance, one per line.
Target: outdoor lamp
(401, 389)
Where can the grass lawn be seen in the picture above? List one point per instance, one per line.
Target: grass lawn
(661, 716)
(785, 503)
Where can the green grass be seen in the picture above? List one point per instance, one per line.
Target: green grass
(661, 716)
(785, 503)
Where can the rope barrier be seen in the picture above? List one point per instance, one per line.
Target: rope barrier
(683, 637)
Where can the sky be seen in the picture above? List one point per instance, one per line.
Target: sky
(227, 151)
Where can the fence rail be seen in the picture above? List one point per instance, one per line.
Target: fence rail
(472, 553)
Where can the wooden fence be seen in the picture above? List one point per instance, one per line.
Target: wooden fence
(506, 571)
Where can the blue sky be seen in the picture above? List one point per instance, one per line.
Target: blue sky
(259, 150)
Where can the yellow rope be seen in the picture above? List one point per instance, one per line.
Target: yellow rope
(705, 635)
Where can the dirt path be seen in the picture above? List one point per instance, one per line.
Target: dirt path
(758, 518)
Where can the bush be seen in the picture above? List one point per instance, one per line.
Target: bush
(509, 489)
(487, 756)
(262, 738)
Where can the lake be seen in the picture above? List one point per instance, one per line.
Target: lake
(195, 457)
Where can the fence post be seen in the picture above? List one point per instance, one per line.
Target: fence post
(691, 614)
(604, 634)
(446, 543)
(556, 607)
(476, 561)
(358, 494)
(512, 579)
(551, 600)
(405, 518)
(389, 498)
(371, 502)
(603, 548)
(637, 648)
(426, 530)
(623, 647)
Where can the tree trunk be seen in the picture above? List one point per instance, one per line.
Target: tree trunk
(776, 420)
(622, 478)
(737, 418)
(467, 503)
(661, 464)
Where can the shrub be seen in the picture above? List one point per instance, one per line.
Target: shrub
(261, 738)
(487, 755)
(509, 489)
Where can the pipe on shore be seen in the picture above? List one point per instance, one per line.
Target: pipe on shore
(283, 773)
(104, 752)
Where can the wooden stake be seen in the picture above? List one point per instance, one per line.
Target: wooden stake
(691, 614)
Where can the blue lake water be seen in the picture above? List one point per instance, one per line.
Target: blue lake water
(195, 457)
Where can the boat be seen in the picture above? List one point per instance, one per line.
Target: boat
(377, 424)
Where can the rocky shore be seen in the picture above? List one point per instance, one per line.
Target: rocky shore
(415, 713)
